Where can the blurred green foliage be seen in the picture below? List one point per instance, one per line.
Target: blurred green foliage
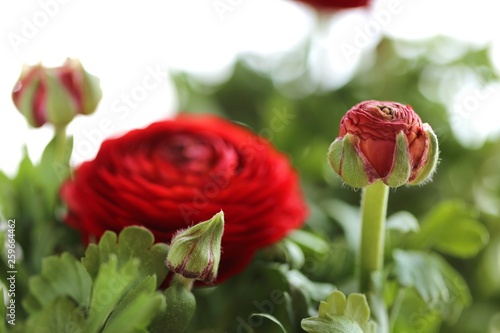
(458, 212)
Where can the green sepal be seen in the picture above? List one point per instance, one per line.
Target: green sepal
(401, 169)
(335, 154)
(426, 172)
(352, 169)
(91, 92)
(61, 108)
(26, 99)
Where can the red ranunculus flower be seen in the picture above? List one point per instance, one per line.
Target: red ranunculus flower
(384, 140)
(336, 4)
(180, 172)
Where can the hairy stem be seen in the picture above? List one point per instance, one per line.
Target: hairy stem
(373, 210)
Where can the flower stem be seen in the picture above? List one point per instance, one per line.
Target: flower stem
(60, 149)
(373, 210)
(186, 282)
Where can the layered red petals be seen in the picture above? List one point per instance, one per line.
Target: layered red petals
(377, 124)
(176, 173)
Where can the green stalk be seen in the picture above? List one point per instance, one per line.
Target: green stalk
(60, 141)
(373, 210)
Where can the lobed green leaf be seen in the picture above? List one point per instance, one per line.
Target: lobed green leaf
(451, 228)
(341, 314)
(434, 280)
(133, 242)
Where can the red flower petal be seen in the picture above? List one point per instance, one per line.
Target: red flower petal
(175, 173)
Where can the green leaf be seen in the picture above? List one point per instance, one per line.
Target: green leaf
(335, 305)
(271, 318)
(337, 324)
(342, 315)
(349, 218)
(6, 197)
(434, 280)
(415, 315)
(61, 315)
(399, 224)
(24, 188)
(452, 229)
(60, 277)
(488, 271)
(3, 309)
(133, 242)
(109, 287)
(357, 308)
(403, 222)
(145, 287)
(311, 244)
(465, 240)
(119, 298)
(315, 290)
(54, 165)
(294, 253)
(285, 251)
(136, 315)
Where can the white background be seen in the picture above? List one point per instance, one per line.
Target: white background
(120, 41)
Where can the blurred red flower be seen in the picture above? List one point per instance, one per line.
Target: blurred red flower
(180, 172)
(336, 4)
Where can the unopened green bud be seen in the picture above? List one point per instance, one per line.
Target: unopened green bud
(386, 141)
(56, 95)
(195, 252)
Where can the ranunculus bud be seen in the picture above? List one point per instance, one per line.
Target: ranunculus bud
(195, 252)
(56, 95)
(384, 140)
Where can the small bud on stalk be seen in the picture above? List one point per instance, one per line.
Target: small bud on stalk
(195, 252)
(56, 95)
(386, 141)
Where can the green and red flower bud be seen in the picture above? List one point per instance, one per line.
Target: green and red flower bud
(56, 95)
(195, 252)
(386, 141)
